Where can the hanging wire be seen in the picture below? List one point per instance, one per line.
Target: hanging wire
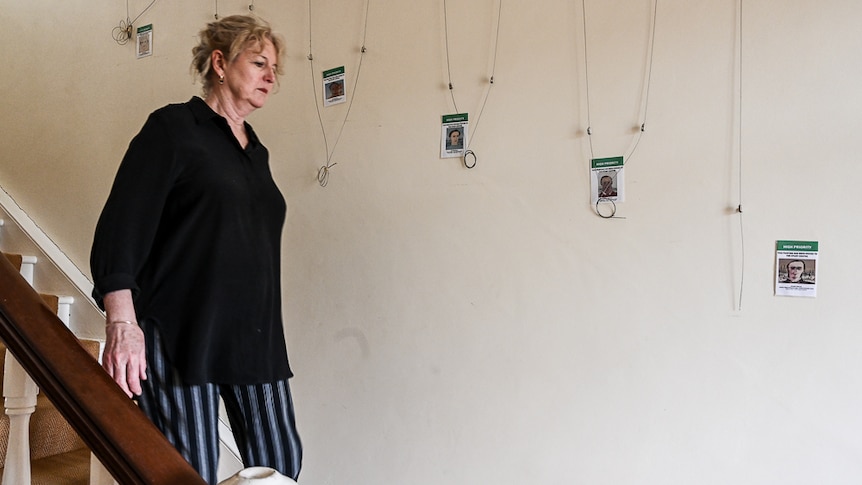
(645, 100)
(448, 65)
(469, 157)
(648, 85)
(493, 71)
(587, 78)
(739, 161)
(323, 171)
(644, 105)
(122, 33)
(143, 12)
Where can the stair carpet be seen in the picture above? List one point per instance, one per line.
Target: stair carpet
(57, 454)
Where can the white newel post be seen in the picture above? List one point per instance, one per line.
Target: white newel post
(20, 392)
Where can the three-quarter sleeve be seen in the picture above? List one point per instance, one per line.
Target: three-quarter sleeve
(130, 218)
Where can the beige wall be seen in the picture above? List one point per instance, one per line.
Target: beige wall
(485, 326)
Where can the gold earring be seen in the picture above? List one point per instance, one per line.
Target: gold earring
(221, 79)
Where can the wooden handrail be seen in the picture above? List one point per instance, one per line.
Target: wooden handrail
(130, 447)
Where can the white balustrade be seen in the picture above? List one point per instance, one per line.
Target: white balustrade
(19, 392)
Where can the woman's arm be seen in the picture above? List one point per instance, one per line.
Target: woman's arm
(125, 357)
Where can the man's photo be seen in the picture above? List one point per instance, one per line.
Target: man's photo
(796, 271)
(335, 89)
(607, 185)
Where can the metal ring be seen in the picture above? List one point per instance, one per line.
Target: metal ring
(470, 153)
(613, 207)
(323, 174)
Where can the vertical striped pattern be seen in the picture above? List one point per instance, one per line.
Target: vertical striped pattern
(264, 426)
(261, 417)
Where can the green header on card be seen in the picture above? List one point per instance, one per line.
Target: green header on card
(607, 162)
(145, 28)
(333, 72)
(798, 246)
(455, 118)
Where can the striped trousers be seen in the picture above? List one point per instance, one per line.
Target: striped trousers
(261, 416)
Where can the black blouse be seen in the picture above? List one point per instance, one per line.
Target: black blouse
(193, 227)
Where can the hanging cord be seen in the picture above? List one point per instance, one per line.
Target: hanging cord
(602, 201)
(323, 171)
(647, 87)
(587, 77)
(469, 158)
(122, 33)
(739, 162)
(448, 65)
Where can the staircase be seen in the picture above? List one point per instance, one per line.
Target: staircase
(57, 455)
(36, 434)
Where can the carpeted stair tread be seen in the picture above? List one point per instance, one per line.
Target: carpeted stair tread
(72, 468)
(4, 438)
(50, 433)
(58, 456)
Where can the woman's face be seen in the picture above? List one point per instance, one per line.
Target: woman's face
(454, 138)
(250, 77)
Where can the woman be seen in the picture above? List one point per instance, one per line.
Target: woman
(186, 260)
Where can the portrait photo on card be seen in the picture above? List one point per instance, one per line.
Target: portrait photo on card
(455, 137)
(801, 271)
(335, 89)
(333, 86)
(607, 184)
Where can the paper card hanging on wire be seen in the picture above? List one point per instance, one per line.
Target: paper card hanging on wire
(607, 181)
(796, 268)
(145, 41)
(333, 86)
(453, 135)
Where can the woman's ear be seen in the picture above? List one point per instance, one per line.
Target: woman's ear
(218, 62)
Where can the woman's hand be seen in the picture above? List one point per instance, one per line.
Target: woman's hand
(125, 358)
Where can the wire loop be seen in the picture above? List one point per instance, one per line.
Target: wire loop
(470, 153)
(603, 202)
(323, 171)
(122, 34)
(490, 80)
(323, 174)
(644, 100)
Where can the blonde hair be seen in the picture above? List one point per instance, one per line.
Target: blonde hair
(231, 35)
